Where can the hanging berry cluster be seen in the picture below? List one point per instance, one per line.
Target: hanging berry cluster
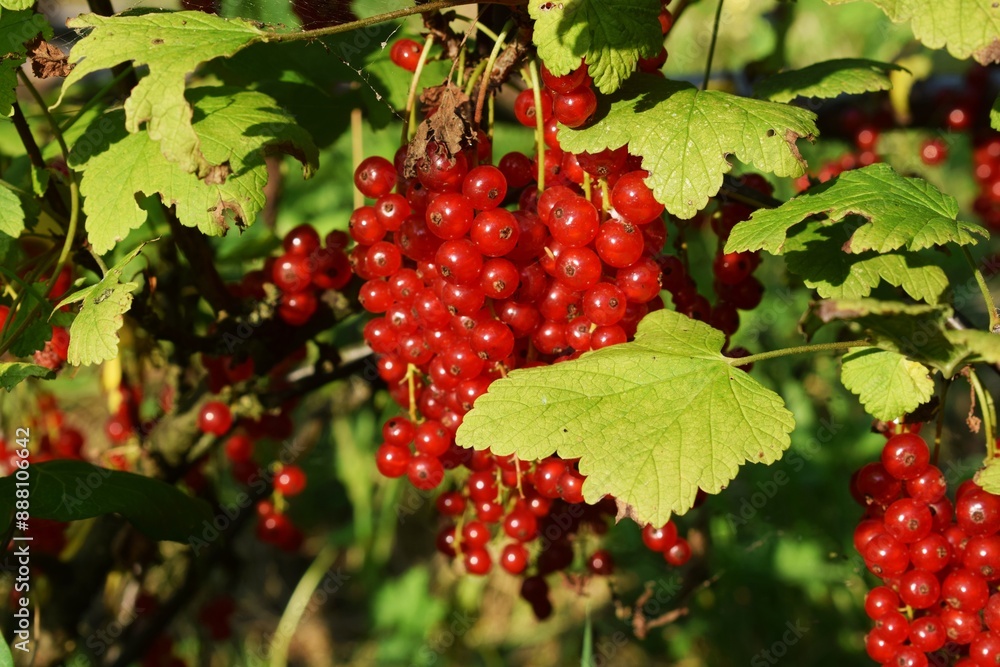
(939, 564)
(472, 270)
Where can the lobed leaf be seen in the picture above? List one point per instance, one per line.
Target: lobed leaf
(652, 421)
(989, 476)
(67, 490)
(237, 128)
(610, 35)
(901, 212)
(11, 213)
(965, 27)
(685, 135)
(826, 79)
(172, 45)
(12, 374)
(16, 29)
(918, 331)
(93, 336)
(888, 384)
(814, 253)
(982, 345)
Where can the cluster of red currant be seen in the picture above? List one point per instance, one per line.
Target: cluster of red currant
(471, 271)
(986, 162)
(964, 109)
(939, 563)
(307, 268)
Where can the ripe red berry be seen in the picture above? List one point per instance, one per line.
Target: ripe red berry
(392, 460)
(477, 561)
(485, 187)
(919, 589)
(574, 108)
(290, 481)
(601, 562)
(215, 418)
(375, 177)
(679, 553)
(514, 558)
(633, 199)
(425, 472)
(525, 111)
(301, 240)
(978, 513)
(405, 53)
(566, 83)
(908, 520)
(906, 456)
(879, 601)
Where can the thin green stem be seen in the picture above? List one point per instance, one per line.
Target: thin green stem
(711, 46)
(536, 87)
(802, 349)
(411, 100)
(298, 604)
(479, 26)
(74, 219)
(989, 413)
(30, 277)
(375, 20)
(474, 77)
(25, 285)
(985, 289)
(74, 185)
(484, 86)
(100, 262)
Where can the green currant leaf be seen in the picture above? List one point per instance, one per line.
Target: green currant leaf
(888, 384)
(6, 658)
(684, 136)
(93, 336)
(902, 213)
(995, 114)
(11, 213)
(73, 490)
(982, 345)
(236, 127)
(652, 421)
(17, 5)
(989, 476)
(12, 374)
(829, 78)
(31, 339)
(16, 28)
(172, 45)
(814, 252)
(917, 331)
(965, 27)
(611, 35)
